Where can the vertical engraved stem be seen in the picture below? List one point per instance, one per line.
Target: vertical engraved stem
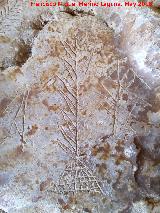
(117, 100)
(77, 149)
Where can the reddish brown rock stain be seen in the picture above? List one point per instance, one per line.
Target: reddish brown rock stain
(15, 156)
(102, 85)
(14, 73)
(50, 88)
(4, 39)
(125, 97)
(104, 138)
(33, 130)
(67, 124)
(40, 58)
(142, 115)
(103, 151)
(50, 73)
(105, 106)
(72, 199)
(65, 90)
(105, 38)
(3, 105)
(101, 168)
(84, 112)
(85, 87)
(152, 202)
(110, 84)
(129, 107)
(50, 28)
(19, 153)
(34, 92)
(44, 185)
(119, 158)
(58, 48)
(64, 205)
(119, 147)
(53, 107)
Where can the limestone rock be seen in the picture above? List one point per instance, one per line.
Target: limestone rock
(80, 125)
(156, 3)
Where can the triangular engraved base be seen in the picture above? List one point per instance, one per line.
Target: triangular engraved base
(77, 177)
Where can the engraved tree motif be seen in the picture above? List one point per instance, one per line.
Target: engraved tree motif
(77, 177)
(123, 80)
(16, 112)
(18, 108)
(20, 117)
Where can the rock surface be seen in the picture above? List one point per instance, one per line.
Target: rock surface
(156, 3)
(79, 123)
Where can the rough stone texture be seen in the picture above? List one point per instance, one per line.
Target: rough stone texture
(156, 3)
(139, 36)
(80, 124)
